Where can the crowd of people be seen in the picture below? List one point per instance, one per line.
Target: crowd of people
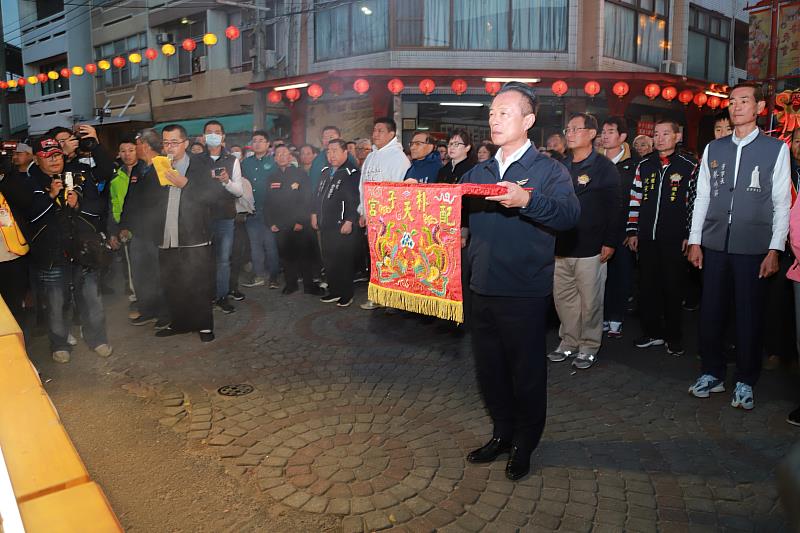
(638, 223)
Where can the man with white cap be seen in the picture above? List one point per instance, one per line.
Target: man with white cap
(22, 157)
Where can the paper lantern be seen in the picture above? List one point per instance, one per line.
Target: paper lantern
(151, 53)
(209, 39)
(135, 58)
(188, 44)
(427, 86)
(459, 86)
(700, 99)
(652, 90)
(3, 85)
(232, 32)
(168, 49)
(292, 95)
(620, 89)
(103, 64)
(33, 80)
(21, 82)
(669, 93)
(53, 75)
(42, 77)
(314, 91)
(724, 103)
(395, 86)
(685, 96)
(77, 70)
(492, 87)
(361, 86)
(559, 88)
(274, 97)
(91, 68)
(11, 84)
(592, 88)
(714, 102)
(65, 72)
(118, 61)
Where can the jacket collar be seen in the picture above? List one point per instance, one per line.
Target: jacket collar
(589, 161)
(626, 153)
(394, 144)
(427, 159)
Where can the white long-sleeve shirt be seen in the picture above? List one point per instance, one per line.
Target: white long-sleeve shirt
(234, 185)
(781, 194)
(385, 164)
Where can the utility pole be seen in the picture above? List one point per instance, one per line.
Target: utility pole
(5, 116)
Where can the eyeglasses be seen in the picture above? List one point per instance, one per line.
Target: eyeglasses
(173, 143)
(418, 143)
(568, 131)
(456, 144)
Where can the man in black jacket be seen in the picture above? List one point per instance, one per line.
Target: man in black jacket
(186, 257)
(582, 252)
(658, 229)
(64, 215)
(15, 199)
(288, 215)
(334, 214)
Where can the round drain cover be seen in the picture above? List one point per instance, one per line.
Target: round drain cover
(235, 390)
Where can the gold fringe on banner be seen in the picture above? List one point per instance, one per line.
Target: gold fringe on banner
(417, 303)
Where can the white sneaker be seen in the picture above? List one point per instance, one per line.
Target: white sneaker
(71, 340)
(104, 350)
(61, 356)
(557, 356)
(369, 305)
(606, 326)
(584, 360)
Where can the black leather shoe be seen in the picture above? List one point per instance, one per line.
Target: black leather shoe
(166, 332)
(489, 451)
(519, 464)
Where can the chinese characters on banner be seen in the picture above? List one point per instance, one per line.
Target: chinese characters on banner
(788, 40)
(758, 49)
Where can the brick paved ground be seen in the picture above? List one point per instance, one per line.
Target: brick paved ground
(368, 417)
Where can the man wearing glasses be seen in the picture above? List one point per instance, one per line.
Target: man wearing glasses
(582, 252)
(425, 161)
(185, 256)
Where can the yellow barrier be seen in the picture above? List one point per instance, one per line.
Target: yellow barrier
(53, 490)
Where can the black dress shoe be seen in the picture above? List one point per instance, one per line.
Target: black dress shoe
(206, 336)
(489, 451)
(519, 464)
(167, 332)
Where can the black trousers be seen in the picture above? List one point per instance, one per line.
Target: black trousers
(14, 285)
(241, 250)
(187, 277)
(779, 321)
(723, 274)
(145, 271)
(338, 256)
(662, 280)
(294, 249)
(619, 284)
(508, 341)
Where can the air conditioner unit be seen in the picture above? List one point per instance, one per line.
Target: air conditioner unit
(164, 38)
(199, 64)
(672, 67)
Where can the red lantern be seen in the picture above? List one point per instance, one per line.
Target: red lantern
(314, 91)
(395, 86)
(274, 97)
(592, 88)
(42, 77)
(459, 86)
(232, 32)
(669, 93)
(293, 95)
(361, 86)
(685, 96)
(620, 88)
(427, 86)
(3, 85)
(652, 90)
(118, 62)
(714, 102)
(21, 82)
(559, 88)
(151, 53)
(65, 72)
(492, 87)
(700, 99)
(188, 44)
(724, 103)
(91, 68)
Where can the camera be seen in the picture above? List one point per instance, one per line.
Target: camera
(217, 172)
(85, 144)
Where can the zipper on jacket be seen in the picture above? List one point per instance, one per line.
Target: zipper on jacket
(661, 174)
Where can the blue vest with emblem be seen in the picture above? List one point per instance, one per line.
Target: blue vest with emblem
(748, 204)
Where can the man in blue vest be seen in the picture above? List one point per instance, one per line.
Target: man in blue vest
(739, 228)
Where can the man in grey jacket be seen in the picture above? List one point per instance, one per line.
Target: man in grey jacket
(739, 228)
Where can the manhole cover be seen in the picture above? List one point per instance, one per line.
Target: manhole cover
(235, 390)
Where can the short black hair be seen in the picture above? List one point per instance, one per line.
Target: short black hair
(128, 138)
(52, 132)
(333, 128)
(589, 120)
(175, 127)
(350, 142)
(758, 92)
(214, 123)
(676, 128)
(391, 125)
(619, 122)
(722, 115)
(342, 144)
(428, 138)
(525, 90)
(260, 133)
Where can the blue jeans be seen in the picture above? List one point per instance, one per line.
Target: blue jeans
(55, 285)
(223, 248)
(263, 248)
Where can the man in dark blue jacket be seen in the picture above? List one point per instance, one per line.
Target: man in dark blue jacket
(511, 254)
(425, 161)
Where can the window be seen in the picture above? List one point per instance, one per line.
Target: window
(422, 23)
(350, 28)
(709, 36)
(54, 86)
(131, 73)
(46, 8)
(239, 49)
(635, 31)
(184, 63)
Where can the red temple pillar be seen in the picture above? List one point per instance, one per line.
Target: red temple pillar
(693, 116)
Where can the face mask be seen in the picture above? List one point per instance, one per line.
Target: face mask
(213, 139)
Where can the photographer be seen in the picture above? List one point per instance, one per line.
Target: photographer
(66, 247)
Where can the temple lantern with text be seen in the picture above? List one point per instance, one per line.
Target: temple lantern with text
(714, 102)
(361, 86)
(151, 53)
(669, 93)
(652, 90)
(292, 95)
(459, 86)
(685, 96)
(700, 99)
(620, 89)
(315, 91)
(232, 32)
(492, 87)
(592, 88)
(395, 86)
(274, 97)
(427, 86)
(559, 88)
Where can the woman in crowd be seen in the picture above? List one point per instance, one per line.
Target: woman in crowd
(486, 151)
(461, 157)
